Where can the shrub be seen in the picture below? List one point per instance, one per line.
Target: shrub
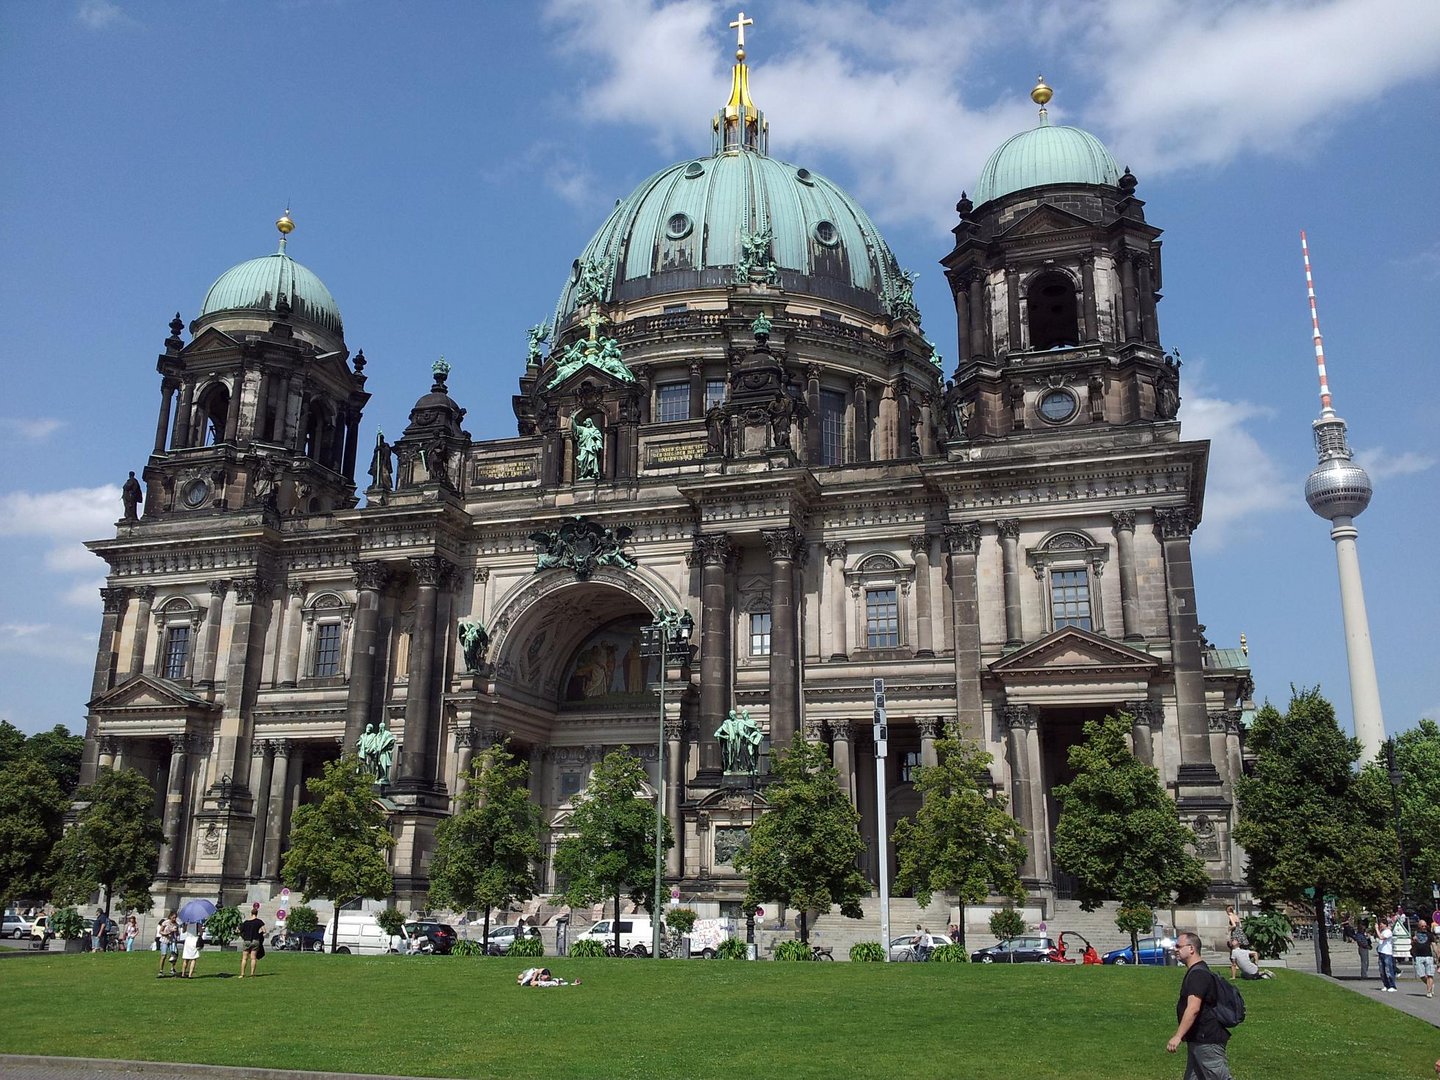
(223, 925)
(533, 946)
(950, 954)
(1006, 924)
(681, 919)
(467, 948)
(302, 920)
(1269, 933)
(391, 921)
(793, 949)
(871, 952)
(67, 923)
(732, 948)
(583, 947)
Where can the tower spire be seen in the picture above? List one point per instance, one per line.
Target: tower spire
(740, 125)
(1325, 404)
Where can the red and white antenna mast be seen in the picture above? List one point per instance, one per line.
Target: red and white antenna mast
(1325, 406)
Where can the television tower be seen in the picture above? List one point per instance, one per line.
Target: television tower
(1339, 491)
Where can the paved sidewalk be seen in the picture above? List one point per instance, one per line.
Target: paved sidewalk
(17, 1067)
(1345, 971)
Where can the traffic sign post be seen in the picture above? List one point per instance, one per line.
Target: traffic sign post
(882, 734)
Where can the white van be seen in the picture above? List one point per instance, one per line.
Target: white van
(360, 933)
(634, 930)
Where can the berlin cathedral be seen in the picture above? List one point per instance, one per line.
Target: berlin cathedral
(733, 429)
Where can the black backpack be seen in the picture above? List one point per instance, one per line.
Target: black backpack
(1229, 1005)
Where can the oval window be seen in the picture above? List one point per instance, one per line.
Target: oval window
(678, 227)
(694, 171)
(826, 233)
(803, 175)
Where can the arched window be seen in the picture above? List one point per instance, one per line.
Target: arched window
(880, 588)
(1054, 311)
(178, 622)
(1069, 564)
(211, 415)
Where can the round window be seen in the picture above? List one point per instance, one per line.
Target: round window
(678, 227)
(826, 233)
(196, 494)
(694, 171)
(1057, 406)
(803, 175)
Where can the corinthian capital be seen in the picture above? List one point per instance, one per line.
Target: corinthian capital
(431, 570)
(114, 599)
(371, 575)
(1019, 716)
(1175, 522)
(712, 549)
(783, 543)
(1009, 528)
(962, 537)
(1124, 520)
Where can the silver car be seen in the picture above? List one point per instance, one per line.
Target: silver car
(904, 947)
(15, 926)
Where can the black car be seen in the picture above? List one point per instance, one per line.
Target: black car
(440, 935)
(310, 941)
(1020, 950)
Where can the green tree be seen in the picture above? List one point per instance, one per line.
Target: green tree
(12, 742)
(963, 841)
(802, 851)
(1119, 833)
(1312, 825)
(59, 752)
(485, 855)
(32, 817)
(1417, 756)
(340, 840)
(114, 844)
(613, 850)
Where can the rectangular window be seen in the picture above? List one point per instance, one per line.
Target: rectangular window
(1070, 598)
(714, 393)
(909, 762)
(676, 309)
(882, 619)
(830, 316)
(177, 652)
(832, 427)
(760, 633)
(327, 650)
(672, 402)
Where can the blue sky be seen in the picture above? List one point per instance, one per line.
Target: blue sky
(446, 162)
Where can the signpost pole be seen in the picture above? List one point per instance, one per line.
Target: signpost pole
(881, 736)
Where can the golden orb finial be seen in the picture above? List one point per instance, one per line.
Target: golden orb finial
(284, 224)
(739, 56)
(1042, 94)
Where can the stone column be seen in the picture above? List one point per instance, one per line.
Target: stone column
(168, 386)
(1012, 304)
(1145, 285)
(962, 542)
(1019, 726)
(674, 784)
(173, 817)
(232, 409)
(352, 442)
(282, 762)
(839, 607)
(417, 762)
(1087, 287)
(842, 755)
(1129, 584)
(242, 671)
(812, 425)
(210, 633)
(785, 547)
(180, 432)
(979, 317)
(464, 757)
(920, 550)
(1144, 719)
(1130, 299)
(861, 388)
(1009, 529)
(697, 389)
(903, 424)
(145, 594)
(113, 601)
(714, 552)
(290, 633)
(1175, 523)
(962, 322)
(263, 753)
(929, 728)
(370, 579)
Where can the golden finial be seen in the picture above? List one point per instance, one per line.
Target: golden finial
(1042, 94)
(284, 224)
(1244, 646)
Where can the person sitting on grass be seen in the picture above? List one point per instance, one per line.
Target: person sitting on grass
(1245, 961)
(541, 977)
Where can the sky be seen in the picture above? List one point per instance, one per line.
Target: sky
(445, 163)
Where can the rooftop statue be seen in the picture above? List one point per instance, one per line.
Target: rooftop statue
(582, 545)
(130, 496)
(740, 740)
(538, 335)
(474, 640)
(594, 282)
(382, 469)
(756, 263)
(900, 296)
(376, 750)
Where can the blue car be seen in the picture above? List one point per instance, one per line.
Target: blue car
(1152, 951)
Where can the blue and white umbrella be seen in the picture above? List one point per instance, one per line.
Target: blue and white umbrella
(193, 911)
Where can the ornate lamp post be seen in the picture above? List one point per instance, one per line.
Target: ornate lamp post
(670, 632)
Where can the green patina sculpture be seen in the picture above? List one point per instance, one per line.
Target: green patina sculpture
(740, 740)
(756, 263)
(594, 282)
(440, 367)
(589, 448)
(474, 640)
(761, 327)
(376, 750)
(601, 353)
(537, 335)
(935, 357)
(582, 545)
(900, 296)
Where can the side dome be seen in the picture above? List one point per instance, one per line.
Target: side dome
(687, 226)
(1045, 155)
(258, 284)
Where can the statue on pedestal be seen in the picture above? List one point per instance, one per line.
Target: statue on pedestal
(740, 740)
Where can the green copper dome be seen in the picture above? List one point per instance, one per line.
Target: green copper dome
(688, 227)
(1045, 155)
(258, 284)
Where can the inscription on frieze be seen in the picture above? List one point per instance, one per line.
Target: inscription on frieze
(482, 472)
(675, 453)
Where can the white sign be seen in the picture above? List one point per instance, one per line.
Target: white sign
(284, 896)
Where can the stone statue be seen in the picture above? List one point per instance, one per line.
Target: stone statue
(267, 485)
(130, 495)
(740, 740)
(381, 466)
(715, 431)
(474, 640)
(1167, 393)
(901, 296)
(376, 749)
(782, 409)
(589, 447)
(957, 415)
(538, 335)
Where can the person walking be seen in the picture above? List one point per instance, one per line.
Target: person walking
(132, 931)
(192, 950)
(1197, 1026)
(1363, 944)
(99, 931)
(252, 940)
(1385, 951)
(1422, 948)
(169, 934)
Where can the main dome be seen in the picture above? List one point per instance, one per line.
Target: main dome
(257, 285)
(1045, 155)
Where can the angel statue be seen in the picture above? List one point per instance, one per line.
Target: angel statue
(474, 640)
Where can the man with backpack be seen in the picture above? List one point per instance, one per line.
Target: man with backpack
(1206, 1011)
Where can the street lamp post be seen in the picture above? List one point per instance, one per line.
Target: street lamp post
(670, 630)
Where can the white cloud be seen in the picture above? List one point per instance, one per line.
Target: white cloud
(73, 514)
(84, 594)
(101, 15)
(47, 641)
(1381, 464)
(1243, 480)
(31, 430)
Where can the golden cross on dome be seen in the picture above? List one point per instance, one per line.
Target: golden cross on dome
(593, 322)
(739, 27)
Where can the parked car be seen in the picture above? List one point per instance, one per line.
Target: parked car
(502, 937)
(40, 929)
(15, 926)
(1020, 950)
(361, 933)
(1152, 951)
(440, 935)
(902, 946)
(313, 941)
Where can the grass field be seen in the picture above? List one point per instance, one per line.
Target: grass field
(464, 1017)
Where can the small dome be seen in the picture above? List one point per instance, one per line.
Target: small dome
(1045, 155)
(258, 284)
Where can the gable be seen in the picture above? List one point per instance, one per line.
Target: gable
(1070, 652)
(209, 340)
(147, 693)
(1046, 219)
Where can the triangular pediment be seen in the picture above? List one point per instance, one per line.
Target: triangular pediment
(603, 381)
(1046, 219)
(209, 340)
(1069, 652)
(149, 692)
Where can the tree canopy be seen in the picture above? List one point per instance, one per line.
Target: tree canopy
(1119, 833)
(114, 844)
(340, 840)
(485, 855)
(56, 749)
(32, 817)
(963, 841)
(612, 851)
(802, 851)
(1312, 825)
(1417, 756)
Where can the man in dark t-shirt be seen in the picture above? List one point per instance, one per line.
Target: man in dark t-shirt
(1196, 1024)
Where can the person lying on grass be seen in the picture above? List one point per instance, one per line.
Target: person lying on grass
(541, 977)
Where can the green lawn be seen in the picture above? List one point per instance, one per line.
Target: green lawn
(451, 1016)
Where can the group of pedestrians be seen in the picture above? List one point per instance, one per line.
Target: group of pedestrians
(1424, 950)
(104, 937)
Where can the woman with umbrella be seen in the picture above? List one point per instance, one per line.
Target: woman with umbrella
(193, 914)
